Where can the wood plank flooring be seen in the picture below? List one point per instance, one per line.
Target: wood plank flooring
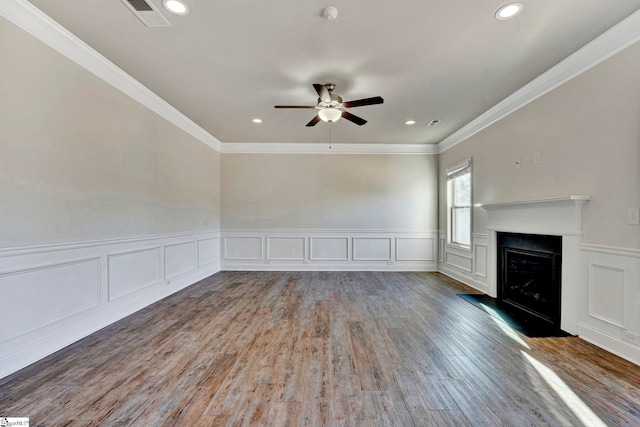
(322, 348)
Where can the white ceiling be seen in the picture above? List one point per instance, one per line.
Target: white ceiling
(228, 62)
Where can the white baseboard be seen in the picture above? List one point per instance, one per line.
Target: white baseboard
(614, 345)
(329, 267)
(91, 285)
(462, 276)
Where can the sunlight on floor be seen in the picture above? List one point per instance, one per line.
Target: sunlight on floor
(508, 331)
(573, 402)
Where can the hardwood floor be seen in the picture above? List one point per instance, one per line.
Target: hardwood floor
(322, 348)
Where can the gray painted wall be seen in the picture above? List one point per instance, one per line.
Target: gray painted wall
(333, 191)
(80, 160)
(588, 134)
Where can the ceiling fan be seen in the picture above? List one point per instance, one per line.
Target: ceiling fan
(331, 107)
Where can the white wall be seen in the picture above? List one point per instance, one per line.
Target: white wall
(329, 211)
(105, 206)
(587, 132)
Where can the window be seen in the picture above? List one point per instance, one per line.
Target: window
(459, 203)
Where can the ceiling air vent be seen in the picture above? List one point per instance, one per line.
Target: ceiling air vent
(147, 12)
(433, 123)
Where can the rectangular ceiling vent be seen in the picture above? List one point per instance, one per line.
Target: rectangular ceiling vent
(147, 12)
(434, 123)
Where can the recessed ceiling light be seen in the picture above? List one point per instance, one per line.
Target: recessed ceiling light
(176, 7)
(257, 120)
(410, 122)
(509, 11)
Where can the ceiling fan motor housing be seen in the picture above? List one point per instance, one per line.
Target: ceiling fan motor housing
(336, 102)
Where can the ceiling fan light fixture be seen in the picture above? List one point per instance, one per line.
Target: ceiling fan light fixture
(176, 7)
(509, 11)
(329, 115)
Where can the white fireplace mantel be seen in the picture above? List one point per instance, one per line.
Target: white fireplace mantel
(558, 216)
(553, 216)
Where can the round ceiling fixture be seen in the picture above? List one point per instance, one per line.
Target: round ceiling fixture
(509, 11)
(410, 122)
(329, 115)
(176, 7)
(257, 121)
(330, 13)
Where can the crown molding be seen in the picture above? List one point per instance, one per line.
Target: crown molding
(313, 148)
(35, 22)
(614, 40)
(38, 24)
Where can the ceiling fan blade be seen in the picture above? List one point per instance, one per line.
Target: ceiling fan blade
(323, 92)
(294, 106)
(313, 121)
(363, 102)
(355, 119)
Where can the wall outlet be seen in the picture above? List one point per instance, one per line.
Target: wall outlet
(633, 216)
(632, 338)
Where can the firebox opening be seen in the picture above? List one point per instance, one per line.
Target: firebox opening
(529, 276)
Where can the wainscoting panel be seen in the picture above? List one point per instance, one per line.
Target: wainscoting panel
(56, 294)
(466, 265)
(480, 259)
(606, 294)
(371, 249)
(35, 297)
(415, 249)
(180, 258)
(357, 250)
(329, 249)
(208, 251)
(131, 271)
(286, 248)
(460, 262)
(243, 248)
(609, 315)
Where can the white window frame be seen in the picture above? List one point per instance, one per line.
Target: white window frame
(454, 171)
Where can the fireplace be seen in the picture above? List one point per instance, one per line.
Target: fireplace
(557, 216)
(529, 277)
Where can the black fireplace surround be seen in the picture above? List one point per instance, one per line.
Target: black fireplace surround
(529, 277)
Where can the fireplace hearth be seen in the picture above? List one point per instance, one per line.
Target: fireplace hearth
(529, 277)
